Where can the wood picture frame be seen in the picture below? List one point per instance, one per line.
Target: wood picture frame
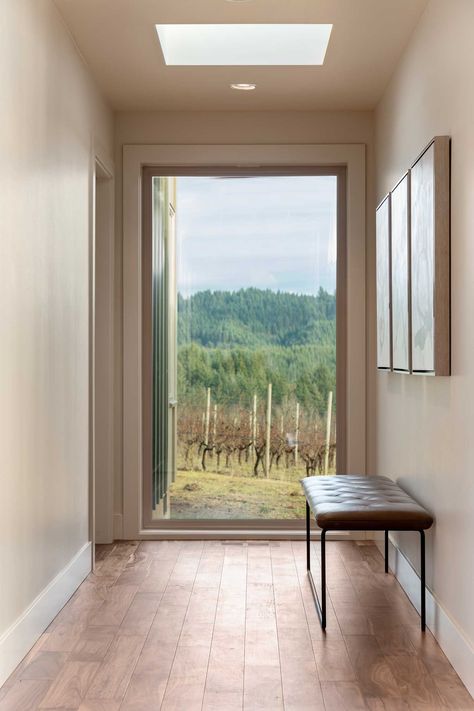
(401, 276)
(430, 259)
(383, 261)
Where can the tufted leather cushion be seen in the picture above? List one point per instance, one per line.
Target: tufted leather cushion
(373, 503)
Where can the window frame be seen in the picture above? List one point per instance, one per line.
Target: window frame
(128, 518)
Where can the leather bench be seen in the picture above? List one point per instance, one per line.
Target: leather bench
(346, 502)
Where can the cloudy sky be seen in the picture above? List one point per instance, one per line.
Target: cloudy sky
(274, 233)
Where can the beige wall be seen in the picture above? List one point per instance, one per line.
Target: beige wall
(243, 127)
(424, 434)
(51, 115)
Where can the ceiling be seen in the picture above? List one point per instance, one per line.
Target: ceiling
(118, 41)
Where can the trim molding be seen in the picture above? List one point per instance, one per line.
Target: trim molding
(135, 157)
(245, 534)
(118, 526)
(450, 638)
(18, 639)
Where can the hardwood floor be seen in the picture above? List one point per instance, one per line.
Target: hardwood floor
(180, 626)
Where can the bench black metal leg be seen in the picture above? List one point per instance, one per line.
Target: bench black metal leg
(308, 537)
(423, 581)
(323, 579)
(320, 606)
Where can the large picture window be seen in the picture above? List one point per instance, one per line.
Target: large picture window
(243, 284)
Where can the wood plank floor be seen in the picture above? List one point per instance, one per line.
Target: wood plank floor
(218, 626)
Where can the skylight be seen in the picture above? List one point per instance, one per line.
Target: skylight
(244, 45)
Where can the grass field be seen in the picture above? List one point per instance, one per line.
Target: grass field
(210, 495)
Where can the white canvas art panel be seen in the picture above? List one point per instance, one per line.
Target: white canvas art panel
(400, 277)
(422, 262)
(383, 286)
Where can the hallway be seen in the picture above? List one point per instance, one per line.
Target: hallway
(172, 369)
(220, 626)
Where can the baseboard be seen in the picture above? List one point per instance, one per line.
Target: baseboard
(202, 534)
(16, 642)
(448, 635)
(118, 526)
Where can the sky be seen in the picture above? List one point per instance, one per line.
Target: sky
(274, 233)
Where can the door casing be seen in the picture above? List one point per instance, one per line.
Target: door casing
(101, 356)
(211, 159)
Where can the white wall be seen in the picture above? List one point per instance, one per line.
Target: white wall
(424, 435)
(229, 127)
(51, 116)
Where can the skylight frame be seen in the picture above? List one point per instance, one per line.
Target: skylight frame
(264, 45)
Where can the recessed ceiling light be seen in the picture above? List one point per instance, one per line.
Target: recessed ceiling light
(244, 45)
(243, 87)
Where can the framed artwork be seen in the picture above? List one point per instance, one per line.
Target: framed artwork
(400, 241)
(430, 259)
(384, 336)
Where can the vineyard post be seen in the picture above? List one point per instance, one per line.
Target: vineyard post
(297, 432)
(208, 417)
(248, 452)
(328, 433)
(268, 432)
(214, 433)
(254, 428)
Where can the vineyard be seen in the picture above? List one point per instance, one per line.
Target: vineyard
(251, 459)
(256, 379)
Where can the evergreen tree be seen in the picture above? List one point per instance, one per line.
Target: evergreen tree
(238, 342)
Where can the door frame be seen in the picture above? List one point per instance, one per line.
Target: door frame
(101, 350)
(344, 160)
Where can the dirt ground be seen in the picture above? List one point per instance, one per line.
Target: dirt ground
(210, 495)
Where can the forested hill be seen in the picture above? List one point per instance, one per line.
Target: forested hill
(253, 318)
(236, 342)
